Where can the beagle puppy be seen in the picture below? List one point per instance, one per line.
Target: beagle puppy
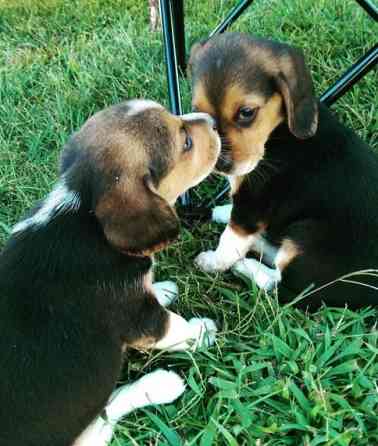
(304, 187)
(76, 278)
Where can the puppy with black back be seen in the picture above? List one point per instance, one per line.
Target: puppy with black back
(304, 187)
(76, 279)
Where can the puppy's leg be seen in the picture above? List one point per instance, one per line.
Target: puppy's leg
(158, 387)
(164, 330)
(165, 292)
(265, 251)
(186, 335)
(99, 433)
(287, 252)
(265, 277)
(222, 214)
(233, 246)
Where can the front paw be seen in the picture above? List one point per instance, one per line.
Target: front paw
(165, 292)
(209, 262)
(222, 214)
(265, 278)
(161, 386)
(204, 332)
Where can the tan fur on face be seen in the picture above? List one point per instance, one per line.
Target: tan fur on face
(200, 101)
(236, 97)
(248, 144)
(106, 136)
(234, 70)
(137, 151)
(115, 146)
(193, 166)
(287, 253)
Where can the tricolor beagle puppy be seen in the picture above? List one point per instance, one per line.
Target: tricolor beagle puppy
(76, 281)
(304, 187)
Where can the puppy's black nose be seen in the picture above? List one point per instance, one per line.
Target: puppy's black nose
(224, 164)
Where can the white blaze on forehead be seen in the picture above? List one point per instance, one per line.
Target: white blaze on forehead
(59, 201)
(140, 105)
(192, 117)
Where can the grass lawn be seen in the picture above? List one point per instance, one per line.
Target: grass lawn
(276, 376)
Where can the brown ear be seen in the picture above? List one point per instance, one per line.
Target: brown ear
(295, 84)
(136, 220)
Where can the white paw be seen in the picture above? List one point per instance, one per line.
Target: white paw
(158, 387)
(204, 331)
(165, 292)
(161, 386)
(222, 214)
(265, 278)
(209, 261)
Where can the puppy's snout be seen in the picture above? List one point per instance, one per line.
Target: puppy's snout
(200, 118)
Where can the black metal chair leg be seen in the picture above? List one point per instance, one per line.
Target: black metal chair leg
(179, 33)
(350, 77)
(231, 17)
(167, 19)
(369, 7)
(356, 71)
(170, 56)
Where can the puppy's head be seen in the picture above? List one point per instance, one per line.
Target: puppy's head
(131, 162)
(250, 86)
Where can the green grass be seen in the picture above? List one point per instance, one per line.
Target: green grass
(277, 376)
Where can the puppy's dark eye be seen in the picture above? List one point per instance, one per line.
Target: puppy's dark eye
(188, 144)
(246, 115)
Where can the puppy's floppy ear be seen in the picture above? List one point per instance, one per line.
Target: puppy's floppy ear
(295, 84)
(135, 219)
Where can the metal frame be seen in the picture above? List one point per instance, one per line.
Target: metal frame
(172, 14)
(172, 19)
(350, 77)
